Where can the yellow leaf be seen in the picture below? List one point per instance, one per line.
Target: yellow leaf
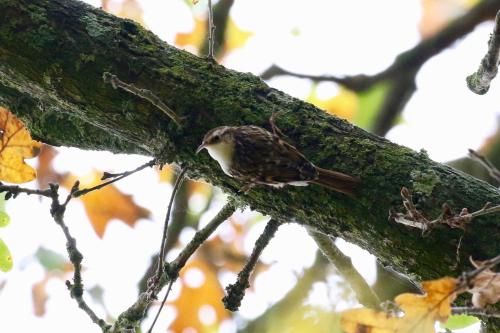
(107, 203)
(235, 37)
(199, 304)
(420, 311)
(45, 172)
(344, 104)
(165, 173)
(16, 145)
(195, 37)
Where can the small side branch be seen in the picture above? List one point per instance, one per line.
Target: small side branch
(211, 31)
(57, 211)
(479, 82)
(364, 293)
(142, 93)
(236, 291)
(416, 219)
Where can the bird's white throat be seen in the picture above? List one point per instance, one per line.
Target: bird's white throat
(222, 152)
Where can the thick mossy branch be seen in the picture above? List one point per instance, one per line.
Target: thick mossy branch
(53, 54)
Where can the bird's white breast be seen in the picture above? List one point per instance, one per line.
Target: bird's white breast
(222, 152)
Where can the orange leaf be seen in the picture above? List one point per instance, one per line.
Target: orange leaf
(45, 172)
(195, 37)
(16, 145)
(107, 203)
(199, 304)
(420, 311)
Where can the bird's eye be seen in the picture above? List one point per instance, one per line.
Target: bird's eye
(215, 139)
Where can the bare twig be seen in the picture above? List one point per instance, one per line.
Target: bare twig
(161, 258)
(12, 191)
(364, 293)
(118, 176)
(479, 82)
(489, 313)
(414, 218)
(164, 300)
(492, 170)
(57, 211)
(142, 93)
(236, 291)
(211, 31)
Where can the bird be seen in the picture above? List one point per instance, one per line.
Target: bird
(256, 156)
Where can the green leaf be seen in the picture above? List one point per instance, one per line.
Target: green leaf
(459, 321)
(370, 102)
(5, 257)
(4, 219)
(50, 260)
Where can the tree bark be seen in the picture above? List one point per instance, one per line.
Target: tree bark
(53, 54)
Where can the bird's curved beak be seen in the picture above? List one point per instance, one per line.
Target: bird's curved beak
(200, 148)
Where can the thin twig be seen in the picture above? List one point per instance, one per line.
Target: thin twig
(201, 236)
(161, 258)
(479, 82)
(142, 93)
(364, 293)
(120, 176)
(76, 288)
(488, 313)
(211, 31)
(492, 170)
(164, 300)
(14, 190)
(236, 291)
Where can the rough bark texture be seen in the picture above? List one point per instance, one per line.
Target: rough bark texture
(52, 57)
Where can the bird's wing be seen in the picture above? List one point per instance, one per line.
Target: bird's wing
(262, 157)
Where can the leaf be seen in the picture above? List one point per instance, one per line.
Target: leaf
(456, 322)
(235, 37)
(199, 299)
(485, 288)
(370, 102)
(165, 174)
(195, 37)
(107, 203)
(420, 311)
(45, 172)
(5, 257)
(51, 260)
(344, 104)
(4, 219)
(16, 145)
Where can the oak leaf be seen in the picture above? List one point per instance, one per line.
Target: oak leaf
(107, 203)
(420, 311)
(16, 145)
(485, 287)
(195, 37)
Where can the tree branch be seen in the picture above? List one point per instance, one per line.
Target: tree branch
(343, 264)
(479, 82)
(53, 55)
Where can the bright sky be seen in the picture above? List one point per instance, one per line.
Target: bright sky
(337, 37)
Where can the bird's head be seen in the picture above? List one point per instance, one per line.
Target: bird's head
(219, 136)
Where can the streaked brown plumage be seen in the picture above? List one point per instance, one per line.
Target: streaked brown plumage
(256, 156)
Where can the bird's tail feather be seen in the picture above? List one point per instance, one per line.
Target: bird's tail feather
(337, 181)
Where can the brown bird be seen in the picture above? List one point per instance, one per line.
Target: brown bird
(256, 156)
